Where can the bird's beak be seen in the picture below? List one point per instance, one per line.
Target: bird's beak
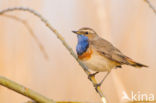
(75, 32)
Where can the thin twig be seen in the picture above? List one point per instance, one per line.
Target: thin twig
(151, 6)
(30, 31)
(59, 36)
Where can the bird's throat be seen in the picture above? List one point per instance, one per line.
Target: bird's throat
(82, 45)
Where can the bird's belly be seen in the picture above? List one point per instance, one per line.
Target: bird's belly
(99, 63)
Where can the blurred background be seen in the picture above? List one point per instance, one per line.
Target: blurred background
(128, 24)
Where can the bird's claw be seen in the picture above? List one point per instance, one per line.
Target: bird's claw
(97, 85)
(92, 75)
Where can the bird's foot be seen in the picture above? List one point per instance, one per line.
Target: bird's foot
(97, 85)
(91, 75)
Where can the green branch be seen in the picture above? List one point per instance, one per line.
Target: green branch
(24, 91)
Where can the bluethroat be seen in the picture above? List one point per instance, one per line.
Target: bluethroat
(100, 55)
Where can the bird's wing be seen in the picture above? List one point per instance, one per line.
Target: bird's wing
(107, 50)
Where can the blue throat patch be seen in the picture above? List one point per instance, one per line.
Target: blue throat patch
(82, 45)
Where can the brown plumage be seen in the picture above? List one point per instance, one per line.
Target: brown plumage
(106, 49)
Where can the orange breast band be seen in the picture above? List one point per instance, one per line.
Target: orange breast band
(86, 55)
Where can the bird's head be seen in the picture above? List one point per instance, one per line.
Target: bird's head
(87, 32)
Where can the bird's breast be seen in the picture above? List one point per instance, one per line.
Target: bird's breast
(86, 55)
(93, 60)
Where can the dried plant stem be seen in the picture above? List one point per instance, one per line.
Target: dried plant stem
(150, 5)
(59, 36)
(30, 31)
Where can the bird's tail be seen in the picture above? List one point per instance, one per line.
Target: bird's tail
(135, 64)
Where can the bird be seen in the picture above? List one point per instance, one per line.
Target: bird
(100, 55)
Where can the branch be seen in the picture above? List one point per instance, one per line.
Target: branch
(150, 5)
(24, 91)
(31, 33)
(59, 36)
(28, 92)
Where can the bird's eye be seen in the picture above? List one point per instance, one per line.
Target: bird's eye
(86, 32)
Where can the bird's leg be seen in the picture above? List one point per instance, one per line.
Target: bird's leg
(99, 84)
(91, 75)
